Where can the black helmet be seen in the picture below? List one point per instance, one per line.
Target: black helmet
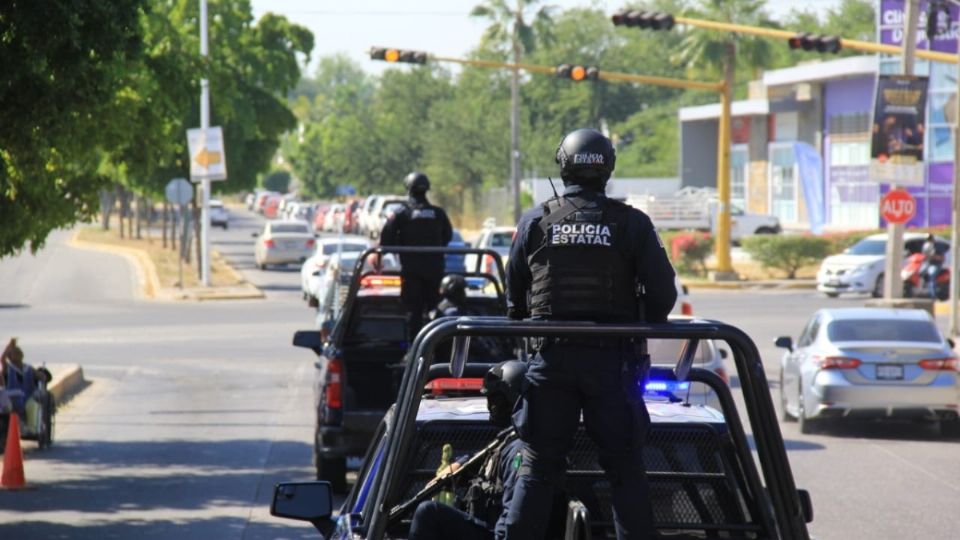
(454, 287)
(502, 385)
(586, 157)
(416, 182)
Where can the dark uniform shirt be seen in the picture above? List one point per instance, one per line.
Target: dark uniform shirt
(418, 224)
(652, 268)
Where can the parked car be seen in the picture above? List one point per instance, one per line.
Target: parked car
(869, 363)
(333, 219)
(283, 242)
(271, 208)
(320, 215)
(859, 269)
(261, 201)
(499, 239)
(312, 270)
(366, 212)
(351, 216)
(219, 216)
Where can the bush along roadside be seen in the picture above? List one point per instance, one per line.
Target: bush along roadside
(689, 252)
(786, 253)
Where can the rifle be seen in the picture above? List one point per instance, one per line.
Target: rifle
(431, 489)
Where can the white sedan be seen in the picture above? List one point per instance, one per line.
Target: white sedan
(313, 268)
(283, 242)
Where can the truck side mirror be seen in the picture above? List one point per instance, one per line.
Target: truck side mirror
(306, 501)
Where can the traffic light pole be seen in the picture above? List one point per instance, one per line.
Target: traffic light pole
(893, 285)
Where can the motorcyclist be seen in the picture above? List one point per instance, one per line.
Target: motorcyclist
(418, 224)
(932, 262)
(491, 492)
(582, 256)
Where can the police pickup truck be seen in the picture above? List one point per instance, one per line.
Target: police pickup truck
(360, 362)
(704, 481)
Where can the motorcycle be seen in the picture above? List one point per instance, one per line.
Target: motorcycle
(917, 277)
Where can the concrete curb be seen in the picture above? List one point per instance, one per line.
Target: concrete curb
(149, 281)
(66, 383)
(144, 268)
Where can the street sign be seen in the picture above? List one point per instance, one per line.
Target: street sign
(898, 206)
(178, 191)
(207, 158)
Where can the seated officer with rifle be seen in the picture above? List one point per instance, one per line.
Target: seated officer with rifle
(494, 471)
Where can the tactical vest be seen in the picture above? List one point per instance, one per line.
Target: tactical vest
(422, 226)
(581, 268)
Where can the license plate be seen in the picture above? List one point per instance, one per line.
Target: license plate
(292, 245)
(890, 372)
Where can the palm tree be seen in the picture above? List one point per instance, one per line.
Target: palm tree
(518, 29)
(708, 50)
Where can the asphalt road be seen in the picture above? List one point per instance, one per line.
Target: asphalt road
(194, 412)
(197, 409)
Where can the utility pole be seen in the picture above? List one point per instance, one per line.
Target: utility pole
(515, 116)
(892, 287)
(205, 183)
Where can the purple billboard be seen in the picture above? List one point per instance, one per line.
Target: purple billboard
(891, 25)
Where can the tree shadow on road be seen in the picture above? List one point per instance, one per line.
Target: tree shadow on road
(179, 529)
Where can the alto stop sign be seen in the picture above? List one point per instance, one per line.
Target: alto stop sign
(898, 206)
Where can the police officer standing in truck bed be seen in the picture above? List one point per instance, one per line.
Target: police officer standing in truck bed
(424, 225)
(582, 256)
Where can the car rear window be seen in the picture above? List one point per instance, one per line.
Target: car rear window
(330, 249)
(288, 228)
(882, 330)
(501, 239)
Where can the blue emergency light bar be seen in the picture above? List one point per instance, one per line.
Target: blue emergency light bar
(666, 386)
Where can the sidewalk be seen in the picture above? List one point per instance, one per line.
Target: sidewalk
(149, 282)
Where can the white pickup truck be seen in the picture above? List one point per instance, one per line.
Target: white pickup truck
(696, 208)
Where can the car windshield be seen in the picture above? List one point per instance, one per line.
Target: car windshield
(868, 247)
(330, 249)
(667, 351)
(288, 228)
(883, 330)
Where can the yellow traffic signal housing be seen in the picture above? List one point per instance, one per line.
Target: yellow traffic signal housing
(578, 73)
(398, 55)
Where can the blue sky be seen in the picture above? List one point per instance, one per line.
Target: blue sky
(438, 26)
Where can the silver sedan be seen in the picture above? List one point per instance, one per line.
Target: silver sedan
(283, 242)
(869, 363)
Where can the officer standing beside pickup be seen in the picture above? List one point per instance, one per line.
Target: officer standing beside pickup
(420, 224)
(581, 256)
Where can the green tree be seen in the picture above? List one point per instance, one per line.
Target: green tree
(852, 19)
(278, 181)
(60, 73)
(716, 54)
(517, 28)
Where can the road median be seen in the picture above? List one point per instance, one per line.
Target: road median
(157, 272)
(695, 284)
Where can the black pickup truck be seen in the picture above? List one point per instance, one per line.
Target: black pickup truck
(361, 362)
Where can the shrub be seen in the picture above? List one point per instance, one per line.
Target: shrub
(787, 253)
(689, 252)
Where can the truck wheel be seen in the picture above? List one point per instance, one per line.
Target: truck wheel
(765, 230)
(333, 470)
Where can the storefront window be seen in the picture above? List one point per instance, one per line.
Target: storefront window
(940, 144)
(849, 153)
(783, 182)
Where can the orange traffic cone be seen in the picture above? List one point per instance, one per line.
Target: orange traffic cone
(12, 477)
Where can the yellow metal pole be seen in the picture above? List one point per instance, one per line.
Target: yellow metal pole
(722, 245)
(857, 45)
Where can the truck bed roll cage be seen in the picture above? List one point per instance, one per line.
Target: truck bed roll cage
(781, 511)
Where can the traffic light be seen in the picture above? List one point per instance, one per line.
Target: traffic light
(398, 55)
(815, 42)
(578, 73)
(654, 20)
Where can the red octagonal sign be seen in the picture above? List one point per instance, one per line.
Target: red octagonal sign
(898, 206)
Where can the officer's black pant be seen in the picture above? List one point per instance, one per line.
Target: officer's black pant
(419, 292)
(565, 380)
(436, 521)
